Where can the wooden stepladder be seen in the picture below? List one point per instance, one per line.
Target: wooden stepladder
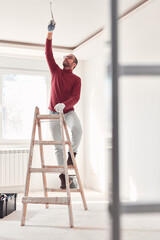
(51, 169)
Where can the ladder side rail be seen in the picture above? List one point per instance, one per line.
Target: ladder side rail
(66, 170)
(75, 167)
(29, 166)
(42, 159)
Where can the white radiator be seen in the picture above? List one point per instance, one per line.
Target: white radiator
(13, 166)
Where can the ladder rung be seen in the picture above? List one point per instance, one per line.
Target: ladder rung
(47, 169)
(46, 200)
(71, 167)
(49, 142)
(62, 190)
(51, 166)
(53, 116)
(58, 166)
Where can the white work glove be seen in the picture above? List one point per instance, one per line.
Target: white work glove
(59, 107)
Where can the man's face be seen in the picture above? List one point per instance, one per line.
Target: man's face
(69, 61)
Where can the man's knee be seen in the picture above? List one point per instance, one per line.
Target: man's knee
(77, 130)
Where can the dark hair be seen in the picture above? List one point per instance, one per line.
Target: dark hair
(75, 60)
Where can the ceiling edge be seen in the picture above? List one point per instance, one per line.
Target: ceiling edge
(35, 46)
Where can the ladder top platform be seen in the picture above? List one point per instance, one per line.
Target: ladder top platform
(53, 116)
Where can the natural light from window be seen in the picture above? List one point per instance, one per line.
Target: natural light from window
(20, 94)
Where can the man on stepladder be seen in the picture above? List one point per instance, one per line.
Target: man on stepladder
(65, 93)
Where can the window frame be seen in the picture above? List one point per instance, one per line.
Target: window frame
(22, 72)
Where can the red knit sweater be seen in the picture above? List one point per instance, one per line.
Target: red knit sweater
(65, 86)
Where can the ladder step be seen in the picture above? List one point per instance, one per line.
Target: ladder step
(47, 200)
(53, 116)
(58, 166)
(48, 169)
(52, 166)
(49, 142)
(62, 190)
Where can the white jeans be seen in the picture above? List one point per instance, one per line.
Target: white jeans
(73, 122)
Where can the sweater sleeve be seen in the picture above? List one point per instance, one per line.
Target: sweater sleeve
(49, 56)
(75, 95)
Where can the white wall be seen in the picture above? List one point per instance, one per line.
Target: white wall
(140, 138)
(139, 110)
(96, 164)
(139, 106)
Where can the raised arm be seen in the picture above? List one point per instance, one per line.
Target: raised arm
(48, 48)
(49, 35)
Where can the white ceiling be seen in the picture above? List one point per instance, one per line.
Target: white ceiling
(27, 20)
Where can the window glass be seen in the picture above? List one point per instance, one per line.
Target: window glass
(20, 95)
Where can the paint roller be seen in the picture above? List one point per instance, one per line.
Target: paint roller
(53, 20)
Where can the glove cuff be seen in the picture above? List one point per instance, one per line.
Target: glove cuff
(50, 31)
